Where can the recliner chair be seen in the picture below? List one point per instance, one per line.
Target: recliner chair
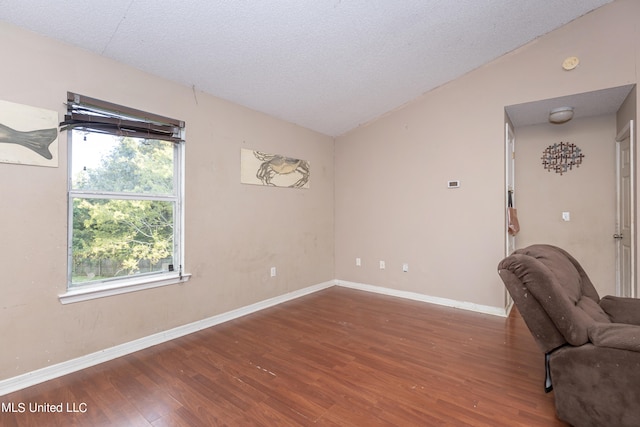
(591, 345)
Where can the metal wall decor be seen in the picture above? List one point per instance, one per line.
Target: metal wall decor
(562, 157)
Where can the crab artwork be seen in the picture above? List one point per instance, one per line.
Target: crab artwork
(281, 171)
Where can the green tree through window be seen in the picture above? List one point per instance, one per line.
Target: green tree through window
(123, 201)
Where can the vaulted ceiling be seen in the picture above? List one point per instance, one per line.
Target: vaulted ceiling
(328, 65)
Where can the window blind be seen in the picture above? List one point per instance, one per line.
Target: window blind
(104, 117)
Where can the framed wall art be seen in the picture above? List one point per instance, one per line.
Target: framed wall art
(260, 168)
(28, 135)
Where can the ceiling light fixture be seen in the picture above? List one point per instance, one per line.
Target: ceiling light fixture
(561, 115)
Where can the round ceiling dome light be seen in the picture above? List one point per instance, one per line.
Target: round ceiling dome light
(570, 63)
(561, 115)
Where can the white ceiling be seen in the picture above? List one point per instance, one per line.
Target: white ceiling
(328, 65)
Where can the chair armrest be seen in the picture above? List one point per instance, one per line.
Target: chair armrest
(621, 310)
(615, 335)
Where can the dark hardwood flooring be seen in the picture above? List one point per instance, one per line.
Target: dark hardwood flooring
(338, 357)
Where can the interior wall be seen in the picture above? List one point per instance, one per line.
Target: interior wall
(392, 203)
(587, 192)
(234, 233)
(627, 111)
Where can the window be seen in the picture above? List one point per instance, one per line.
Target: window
(125, 197)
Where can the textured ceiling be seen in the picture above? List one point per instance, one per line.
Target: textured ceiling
(328, 65)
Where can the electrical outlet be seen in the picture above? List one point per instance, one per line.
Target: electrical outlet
(382, 266)
(273, 272)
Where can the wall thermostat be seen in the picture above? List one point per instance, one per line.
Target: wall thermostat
(453, 184)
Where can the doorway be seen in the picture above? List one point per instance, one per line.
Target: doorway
(575, 210)
(510, 157)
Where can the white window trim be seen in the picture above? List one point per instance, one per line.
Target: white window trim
(118, 286)
(122, 286)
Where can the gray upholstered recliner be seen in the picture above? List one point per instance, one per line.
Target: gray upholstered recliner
(591, 345)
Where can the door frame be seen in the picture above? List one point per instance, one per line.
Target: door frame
(509, 182)
(626, 132)
(509, 185)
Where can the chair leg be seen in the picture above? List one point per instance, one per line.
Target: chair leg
(547, 374)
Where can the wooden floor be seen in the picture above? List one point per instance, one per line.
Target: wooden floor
(339, 357)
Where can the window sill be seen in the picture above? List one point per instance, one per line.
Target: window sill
(121, 287)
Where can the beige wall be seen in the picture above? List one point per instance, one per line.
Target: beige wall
(587, 192)
(392, 203)
(234, 232)
(627, 111)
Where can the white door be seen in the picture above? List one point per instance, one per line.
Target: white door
(510, 156)
(510, 162)
(625, 213)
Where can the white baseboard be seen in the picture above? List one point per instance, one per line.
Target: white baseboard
(486, 309)
(507, 311)
(54, 371)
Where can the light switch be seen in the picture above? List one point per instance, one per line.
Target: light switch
(566, 216)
